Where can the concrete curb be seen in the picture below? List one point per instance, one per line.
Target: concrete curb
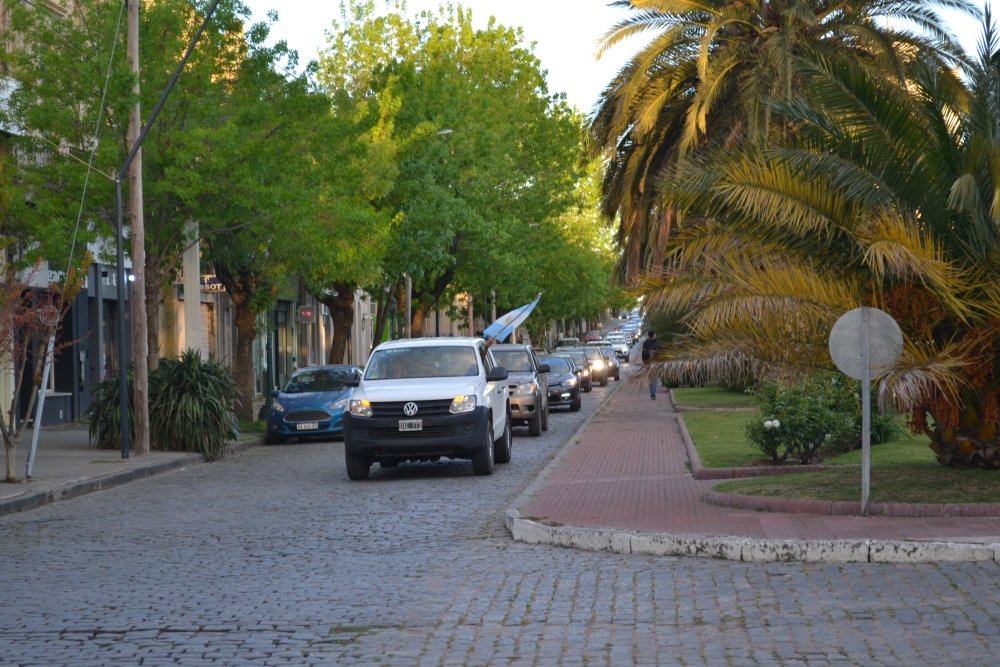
(747, 549)
(70, 490)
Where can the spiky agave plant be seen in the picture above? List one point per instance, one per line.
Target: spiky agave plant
(191, 405)
(104, 413)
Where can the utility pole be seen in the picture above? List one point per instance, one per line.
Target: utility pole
(139, 324)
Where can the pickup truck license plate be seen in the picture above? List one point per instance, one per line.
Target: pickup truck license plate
(307, 426)
(411, 424)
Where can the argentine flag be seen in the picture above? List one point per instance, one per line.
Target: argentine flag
(504, 326)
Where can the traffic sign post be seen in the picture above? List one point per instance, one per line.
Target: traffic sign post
(862, 338)
(49, 316)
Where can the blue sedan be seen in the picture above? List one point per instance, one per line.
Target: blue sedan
(311, 404)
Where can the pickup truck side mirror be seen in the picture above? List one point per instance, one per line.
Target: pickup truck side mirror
(543, 368)
(498, 374)
(352, 381)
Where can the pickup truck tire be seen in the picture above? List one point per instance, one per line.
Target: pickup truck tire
(535, 425)
(357, 466)
(482, 459)
(503, 445)
(604, 381)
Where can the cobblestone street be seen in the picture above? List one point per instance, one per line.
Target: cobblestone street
(274, 558)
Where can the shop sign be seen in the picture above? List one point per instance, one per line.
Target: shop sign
(211, 284)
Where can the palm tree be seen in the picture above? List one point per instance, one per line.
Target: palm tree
(703, 80)
(891, 198)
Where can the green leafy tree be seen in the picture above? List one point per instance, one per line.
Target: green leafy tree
(342, 243)
(194, 157)
(467, 189)
(270, 183)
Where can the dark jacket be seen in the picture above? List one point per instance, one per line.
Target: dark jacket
(650, 348)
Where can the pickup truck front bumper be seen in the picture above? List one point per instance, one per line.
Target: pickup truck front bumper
(454, 436)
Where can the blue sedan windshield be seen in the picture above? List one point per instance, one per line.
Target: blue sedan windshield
(315, 380)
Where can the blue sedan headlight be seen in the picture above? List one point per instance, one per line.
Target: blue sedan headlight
(340, 405)
(277, 407)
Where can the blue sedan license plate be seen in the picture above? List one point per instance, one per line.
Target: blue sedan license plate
(411, 425)
(307, 426)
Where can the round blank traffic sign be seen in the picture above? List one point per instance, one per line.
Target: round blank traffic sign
(49, 315)
(885, 341)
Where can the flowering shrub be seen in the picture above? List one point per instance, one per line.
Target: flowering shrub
(796, 420)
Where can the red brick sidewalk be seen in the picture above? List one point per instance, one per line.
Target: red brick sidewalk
(629, 471)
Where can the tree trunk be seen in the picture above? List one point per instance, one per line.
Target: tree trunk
(426, 299)
(241, 289)
(342, 311)
(246, 332)
(419, 321)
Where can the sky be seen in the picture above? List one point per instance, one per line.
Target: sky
(564, 32)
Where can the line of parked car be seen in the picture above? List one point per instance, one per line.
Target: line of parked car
(427, 398)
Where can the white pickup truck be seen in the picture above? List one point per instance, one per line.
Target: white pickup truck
(423, 398)
(620, 344)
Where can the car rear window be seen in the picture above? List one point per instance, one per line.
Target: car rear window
(517, 361)
(422, 362)
(315, 380)
(556, 365)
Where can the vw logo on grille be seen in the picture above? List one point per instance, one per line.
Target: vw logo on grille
(410, 409)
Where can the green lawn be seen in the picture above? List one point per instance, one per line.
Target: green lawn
(890, 483)
(720, 440)
(904, 469)
(711, 397)
(903, 449)
(257, 426)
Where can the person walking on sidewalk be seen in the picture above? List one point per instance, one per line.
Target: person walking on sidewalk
(651, 347)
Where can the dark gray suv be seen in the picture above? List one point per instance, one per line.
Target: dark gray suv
(529, 386)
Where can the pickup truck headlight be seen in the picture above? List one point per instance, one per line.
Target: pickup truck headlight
(361, 408)
(463, 404)
(525, 389)
(598, 365)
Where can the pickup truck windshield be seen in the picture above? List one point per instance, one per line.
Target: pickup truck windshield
(438, 361)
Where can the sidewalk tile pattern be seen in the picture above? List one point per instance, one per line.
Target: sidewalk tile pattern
(629, 471)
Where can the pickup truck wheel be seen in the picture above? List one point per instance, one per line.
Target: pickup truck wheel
(357, 466)
(604, 381)
(482, 459)
(503, 446)
(535, 425)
